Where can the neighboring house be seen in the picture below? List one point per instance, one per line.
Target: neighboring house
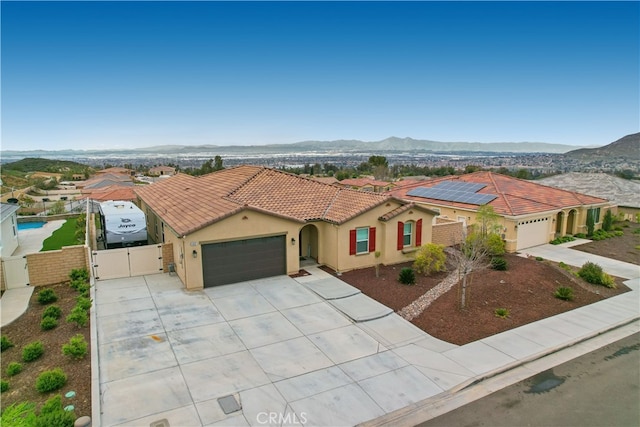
(162, 171)
(625, 193)
(106, 180)
(9, 237)
(112, 192)
(116, 171)
(530, 214)
(367, 184)
(250, 222)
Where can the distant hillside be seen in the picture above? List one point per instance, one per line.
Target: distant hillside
(626, 147)
(410, 144)
(32, 164)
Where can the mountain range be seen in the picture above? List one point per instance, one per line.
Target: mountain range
(385, 145)
(627, 147)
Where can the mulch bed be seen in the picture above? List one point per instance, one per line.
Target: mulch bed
(526, 289)
(25, 330)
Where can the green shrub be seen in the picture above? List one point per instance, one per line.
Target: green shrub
(564, 293)
(51, 380)
(607, 221)
(75, 284)
(78, 316)
(14, 368)
(564, 266)
(32, 351)
(52, 311)
(48, 323)
(81, 274)
(407, 276)
(499, 263)
(4, 386)
(618, 233)
(5, 343)
(581, 236)
(539, 258)
(430, 258)
(502, 313)
(495, 244)
(47, 296)
(83, 289)
(636, 231)
(76, 348)
(19, 415)
(83, 302)
(562, 239)
(593, 273)
(52, 414)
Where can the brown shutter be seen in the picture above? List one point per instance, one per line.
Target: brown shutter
(400, 235)
(352, 242)
(419, 232)
(372, 239)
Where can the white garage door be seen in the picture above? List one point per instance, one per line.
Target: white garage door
(533, 232)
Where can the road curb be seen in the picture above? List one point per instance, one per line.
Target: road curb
(428, 408)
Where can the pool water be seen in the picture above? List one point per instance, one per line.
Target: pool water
(30, 225)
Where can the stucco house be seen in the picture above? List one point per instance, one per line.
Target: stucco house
(9, 229)
(162, 171)
(531, 214)
(250, 222)
(367, 184)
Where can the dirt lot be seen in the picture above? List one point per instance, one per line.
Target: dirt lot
(526, 289)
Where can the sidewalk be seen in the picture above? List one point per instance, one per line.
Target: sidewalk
(14, 303)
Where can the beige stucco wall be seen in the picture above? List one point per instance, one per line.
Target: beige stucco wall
(329, 243)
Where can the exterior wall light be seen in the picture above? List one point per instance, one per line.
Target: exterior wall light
(194, 254)
(293, 241)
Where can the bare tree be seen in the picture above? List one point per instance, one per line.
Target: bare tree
(473, 254)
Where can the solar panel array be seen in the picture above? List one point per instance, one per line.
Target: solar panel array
(463, 192)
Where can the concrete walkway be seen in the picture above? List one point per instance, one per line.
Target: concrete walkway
(14, 302)
(281, 351)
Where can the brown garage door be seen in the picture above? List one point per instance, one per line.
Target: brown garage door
(241, 260)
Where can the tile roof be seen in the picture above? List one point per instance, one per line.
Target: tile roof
(515, 196)
(189, 203)
(361, 182)
(112, 192)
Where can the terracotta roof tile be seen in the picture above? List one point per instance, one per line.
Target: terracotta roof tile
(515, 196)
(189, 203)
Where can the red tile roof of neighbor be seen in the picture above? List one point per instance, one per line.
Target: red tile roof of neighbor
(188, 203)
(361, 182)
(515, 196)
(112, 192)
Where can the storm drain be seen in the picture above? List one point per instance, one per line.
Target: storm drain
(228, 404)
(160, 423)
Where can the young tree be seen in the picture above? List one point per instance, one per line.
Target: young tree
(473, 254)
(487, 221)
(607, 221)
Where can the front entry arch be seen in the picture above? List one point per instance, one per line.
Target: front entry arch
(308, 242)
(571, 221)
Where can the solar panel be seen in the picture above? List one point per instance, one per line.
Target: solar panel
(471, 187)
(453, 193)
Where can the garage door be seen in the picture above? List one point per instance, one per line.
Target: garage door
(533, 232)
(241, 260)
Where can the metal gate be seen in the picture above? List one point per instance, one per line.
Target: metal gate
(16, 272)
(127, 262)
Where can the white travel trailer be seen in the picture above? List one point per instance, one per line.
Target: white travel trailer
(123, 224)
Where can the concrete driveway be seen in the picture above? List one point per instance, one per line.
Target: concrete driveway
(284, 354)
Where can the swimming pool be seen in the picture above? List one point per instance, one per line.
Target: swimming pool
(30, 225)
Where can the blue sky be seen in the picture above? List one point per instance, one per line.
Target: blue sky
(90, 75)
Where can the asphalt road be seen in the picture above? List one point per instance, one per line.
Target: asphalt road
(601, 388)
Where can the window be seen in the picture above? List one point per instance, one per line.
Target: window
(408, 232)
(362, 240)
(595, 214)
